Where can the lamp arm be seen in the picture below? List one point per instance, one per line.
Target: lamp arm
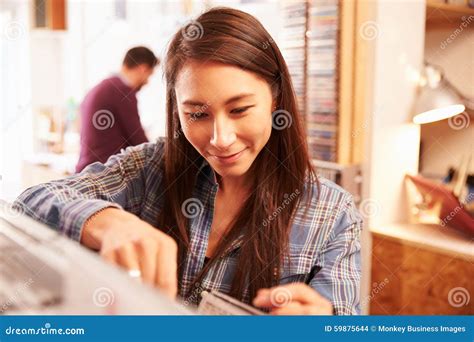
(468, 102)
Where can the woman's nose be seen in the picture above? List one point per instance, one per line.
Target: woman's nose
(223, 135)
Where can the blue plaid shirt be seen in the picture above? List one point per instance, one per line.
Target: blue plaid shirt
(326, 239)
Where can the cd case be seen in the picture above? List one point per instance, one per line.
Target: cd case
(216, 303)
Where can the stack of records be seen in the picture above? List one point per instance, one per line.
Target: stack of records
(294, 46)
(321, 106)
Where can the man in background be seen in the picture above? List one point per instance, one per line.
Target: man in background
(109, 112)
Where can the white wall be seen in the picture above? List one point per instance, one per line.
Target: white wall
(394, 33)
(392, 146)
(444, 142)
(15, 94)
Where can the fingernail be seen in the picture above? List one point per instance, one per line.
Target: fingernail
(257, 300)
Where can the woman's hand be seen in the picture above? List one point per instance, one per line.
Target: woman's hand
(293, 299)
(125, 240)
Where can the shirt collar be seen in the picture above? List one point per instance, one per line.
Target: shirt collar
(124, 80)
(208, 171)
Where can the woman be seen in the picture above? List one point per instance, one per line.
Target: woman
(231, 188)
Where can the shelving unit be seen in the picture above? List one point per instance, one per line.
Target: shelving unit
(294, 50)
(439, 12)
(312, 43)
(318, 45)
(311, 30)
(49, 14)
(322, 75)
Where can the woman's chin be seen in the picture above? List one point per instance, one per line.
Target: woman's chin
(234, 171)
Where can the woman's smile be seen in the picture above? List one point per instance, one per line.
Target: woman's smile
(228, 158)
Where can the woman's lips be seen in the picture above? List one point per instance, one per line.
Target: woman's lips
(229, 159)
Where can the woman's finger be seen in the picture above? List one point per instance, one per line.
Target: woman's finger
(109, 255)
(304, 293)
(296, 308)
(274, 297)
(293, 308)
(146, 251)
(262, 299)
(278, 295)
(127, 257)
(167, 267)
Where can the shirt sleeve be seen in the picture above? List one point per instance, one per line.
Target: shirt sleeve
(66, 204)
(339, 277)
(130, 122)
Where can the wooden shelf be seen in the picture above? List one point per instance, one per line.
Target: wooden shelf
(49, 14)
(433, 237)
(417, 268)
(441, 13)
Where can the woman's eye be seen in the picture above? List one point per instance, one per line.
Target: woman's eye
(197, 115)
(240, 109)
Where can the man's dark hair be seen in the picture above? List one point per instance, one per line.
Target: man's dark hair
(140, 55)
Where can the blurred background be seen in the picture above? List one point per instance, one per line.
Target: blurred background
(363, 72)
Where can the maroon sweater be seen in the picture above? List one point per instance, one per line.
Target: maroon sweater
(109, 122)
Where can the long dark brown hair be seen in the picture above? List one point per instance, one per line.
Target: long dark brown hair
(283, 167)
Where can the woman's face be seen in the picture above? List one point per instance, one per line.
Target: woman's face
(225, 113)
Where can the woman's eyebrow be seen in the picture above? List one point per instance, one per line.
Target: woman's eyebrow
(193, 103)
(232, 99)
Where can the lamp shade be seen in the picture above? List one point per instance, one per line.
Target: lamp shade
(437, 99)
